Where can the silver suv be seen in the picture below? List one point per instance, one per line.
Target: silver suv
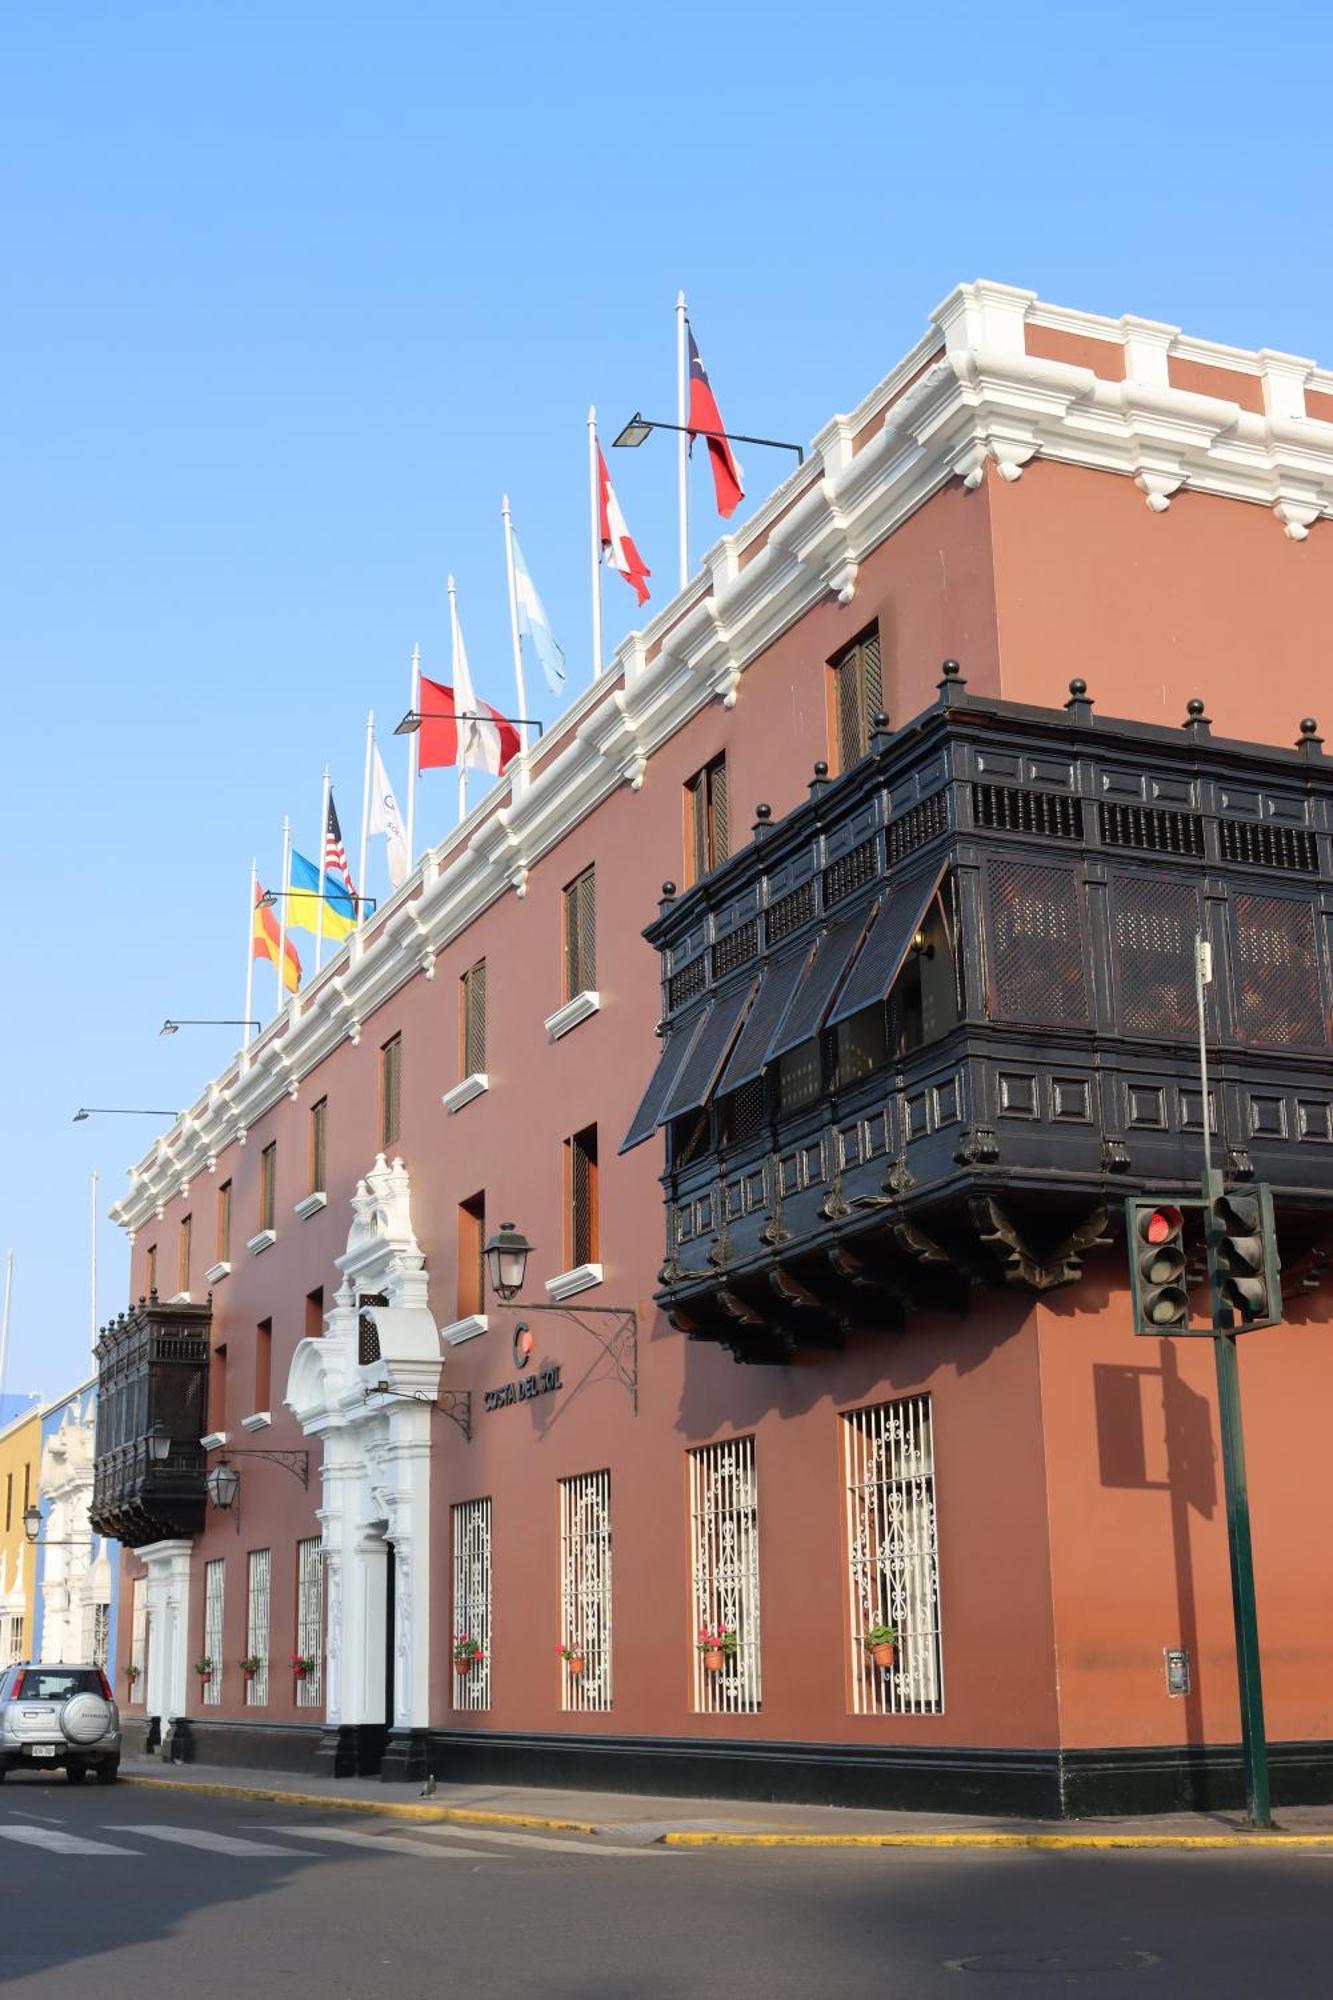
(59, 1716)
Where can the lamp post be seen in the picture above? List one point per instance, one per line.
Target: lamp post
(119, 1111)
(414, 718)
(170, 1027)
(32, 1529)
(640, 428)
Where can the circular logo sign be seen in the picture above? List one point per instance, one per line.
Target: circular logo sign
(523, 1345)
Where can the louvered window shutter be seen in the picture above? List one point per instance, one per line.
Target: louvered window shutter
(721, 842)
(474, 1020)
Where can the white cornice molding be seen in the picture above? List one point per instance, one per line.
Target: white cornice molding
(464, 1092)
(575, 1010)
(310, 1204)
(967, 402)
(581, 1279)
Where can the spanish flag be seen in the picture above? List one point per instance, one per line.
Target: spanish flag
(268, 937)
(303, 902)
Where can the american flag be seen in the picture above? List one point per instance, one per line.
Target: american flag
(335, 855)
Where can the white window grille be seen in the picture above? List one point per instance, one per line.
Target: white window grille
(310, 1619)
(97, 1634)
(139, 1638)
(16, 1636)
(893, 1556)
(724, 1553)
(256, 1626)
(585, 1590)
(214, 1584)
(472, 1601)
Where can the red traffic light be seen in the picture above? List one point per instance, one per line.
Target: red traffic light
(1159, 1225)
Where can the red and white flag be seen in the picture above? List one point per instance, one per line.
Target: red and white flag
(705, 420)
(486, 743)
(618, 550)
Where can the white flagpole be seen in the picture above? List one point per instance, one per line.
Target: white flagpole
(282, 909)
(92, 1269)
(249, 1007)
(682, 440)
(595, 505)
(413, 761)
(365, 817)
(460, 730)
(323, 855)
(513, 622)
(4, 1323)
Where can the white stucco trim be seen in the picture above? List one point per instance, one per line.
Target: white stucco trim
(167, 1598)
(222, 1269)
(214, 1441)
(575, 1010)
(310, 1204)
(258, 1420)
(581, 1279)
(467, 1328)
(464, 1092)
(261, 1241)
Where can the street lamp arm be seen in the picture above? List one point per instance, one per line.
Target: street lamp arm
(698, 430)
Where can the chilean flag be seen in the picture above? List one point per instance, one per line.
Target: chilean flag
(488, 744)
(618, 550)
(705, 420)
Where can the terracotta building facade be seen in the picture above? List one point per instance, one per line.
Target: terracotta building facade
(825, 1326)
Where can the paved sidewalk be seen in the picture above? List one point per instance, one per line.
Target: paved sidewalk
(707, 1822)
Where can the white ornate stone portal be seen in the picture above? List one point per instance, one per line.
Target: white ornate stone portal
(364, 1389)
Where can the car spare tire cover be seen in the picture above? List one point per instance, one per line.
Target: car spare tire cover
(85, 1718)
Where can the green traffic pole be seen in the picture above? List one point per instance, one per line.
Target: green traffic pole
(1253, 1742)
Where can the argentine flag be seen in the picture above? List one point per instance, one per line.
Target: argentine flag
(533, 624)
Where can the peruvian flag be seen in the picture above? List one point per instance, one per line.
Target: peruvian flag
(705, 420)
(487, 744)
(618, 550)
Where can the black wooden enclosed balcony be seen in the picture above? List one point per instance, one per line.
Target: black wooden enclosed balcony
(152, 1394)
(925, 1033)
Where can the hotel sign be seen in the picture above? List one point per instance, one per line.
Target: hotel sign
(540, 1384)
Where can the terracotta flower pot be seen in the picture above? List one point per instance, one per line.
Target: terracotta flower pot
(249, 1672)
(713, 1659)
(302, 1673)
(574, 1662)
(462, 1666)
(883, 1655)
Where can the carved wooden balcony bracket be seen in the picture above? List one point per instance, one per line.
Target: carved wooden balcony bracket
(1022, 1266)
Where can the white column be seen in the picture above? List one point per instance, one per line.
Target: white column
(168, 1604)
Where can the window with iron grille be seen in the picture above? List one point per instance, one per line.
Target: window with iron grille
(724, 1563)
(268, 1185)
(1037, 946)
(472, 1601)
(310, 1619)
(1153, 925)
(183, 1253)
(585, 1591)
(893, 1556)
(581, 1175)
(16, 1630)
(858, 695)
(580, 901)
(367, 1332)
(215, 1581)
(319, 1140)
(97, 1640)
(472, 1018)
(1277, 971)
(472, 1256)
(258, 1573)
(150, 1269)
(707, 835)
(391, 1091)
(223, 1244)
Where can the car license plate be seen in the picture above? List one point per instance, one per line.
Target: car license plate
(43, 1749)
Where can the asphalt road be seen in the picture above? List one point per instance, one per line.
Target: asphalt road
(125, 1893)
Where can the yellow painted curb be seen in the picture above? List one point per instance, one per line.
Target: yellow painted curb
(1062, 1841)
(389, 1809)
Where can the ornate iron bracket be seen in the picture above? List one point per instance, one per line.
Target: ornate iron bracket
(456, 1404)
(620, 1343)
(295, 1462)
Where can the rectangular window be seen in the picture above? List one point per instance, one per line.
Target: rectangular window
(268, 1185)
(139, 1638)
(263, 1364)
(472, 1602)
(260, 1569)
(314, 1313)
(310, 1620)
(583, 1243)
(585, 1591)
(16, 1636)
(706, 831)
(391, 1091)
(319, 1128)
(472, 1019)
(472, 1256)
(183, 1253)
(97, 1641)
(724, 1561)
(217, 1389)
(223, 1244)
(858, 695)
(580, 900)
(215, 1576)
(892, 1556)
(150, 1269)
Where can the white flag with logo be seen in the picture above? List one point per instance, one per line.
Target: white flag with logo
(385, 818)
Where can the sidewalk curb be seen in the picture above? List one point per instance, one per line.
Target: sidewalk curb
(1058, 1841)
(388, 1809)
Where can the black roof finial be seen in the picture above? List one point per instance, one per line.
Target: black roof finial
(952, 688)
(1196, 721)
(1079, 705)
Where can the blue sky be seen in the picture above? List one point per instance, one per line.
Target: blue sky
(292, 293)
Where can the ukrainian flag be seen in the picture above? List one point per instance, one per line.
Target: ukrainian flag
(303, 902)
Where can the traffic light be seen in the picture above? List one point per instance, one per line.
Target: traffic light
(1156, 1233)
(1242, 1253)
